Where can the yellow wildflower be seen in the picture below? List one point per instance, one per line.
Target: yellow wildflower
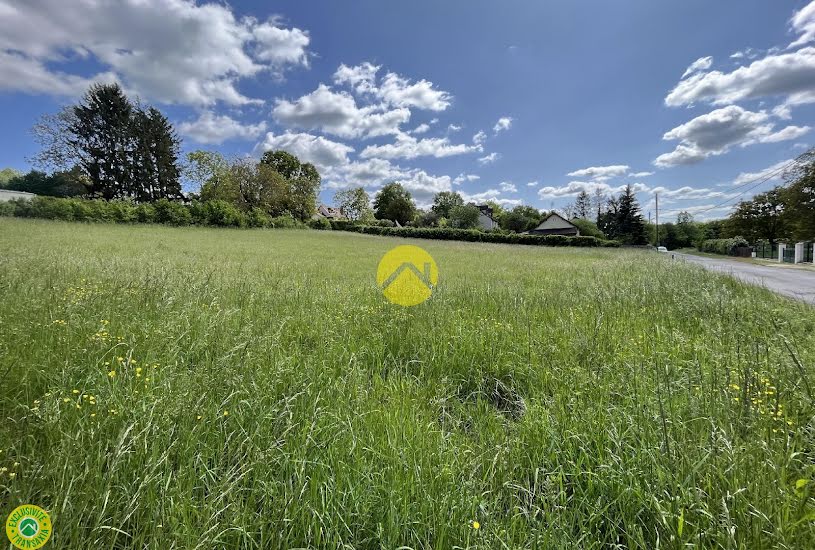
(226, 413)
(476, 525)
(112, 373)
(75, 392)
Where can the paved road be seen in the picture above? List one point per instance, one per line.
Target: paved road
(792, 282)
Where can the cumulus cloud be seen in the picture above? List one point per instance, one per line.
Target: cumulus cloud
(337, 113)
(532, 183)
(421, 129)
(667, 195)
(771, 173)
(362, 78)
(598, 172)
(789, 75)
(26, 74)
(408, 147)
(701, 64)
(461, 178)
(716, 132)
(489, 159)
(480, 137)
(803, 23)
(493, 195)
(323, 153)
(508, 187)
(400, 91)
(172, 51)
(210, 128)
(504, 123)
(640, 174)
(393, 88)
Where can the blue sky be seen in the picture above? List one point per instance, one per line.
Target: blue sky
(518, 101)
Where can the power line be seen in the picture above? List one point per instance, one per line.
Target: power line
(760, 180)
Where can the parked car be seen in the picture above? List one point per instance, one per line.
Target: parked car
(662, 249)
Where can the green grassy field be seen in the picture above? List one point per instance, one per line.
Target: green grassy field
(202, 388)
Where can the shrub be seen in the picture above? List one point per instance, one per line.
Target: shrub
(319, 223)
(51, 208)
(6, 208)
(286, 221)
(343, 225)
(258, 218)
(383, 223)
(171, 213)
(145, 213)
(723, 246)
(223, 214)
(474, 235)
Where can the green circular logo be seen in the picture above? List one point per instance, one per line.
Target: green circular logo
(28, 527)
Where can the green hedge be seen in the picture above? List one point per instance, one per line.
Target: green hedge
(215, 213)
(725, 247)
(472, 235)
(224, 214)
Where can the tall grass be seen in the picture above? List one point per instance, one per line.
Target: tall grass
(204, 388)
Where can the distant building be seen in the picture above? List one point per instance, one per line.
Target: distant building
(555, 224)
(485, 220)
(7, 195)
(329, 212)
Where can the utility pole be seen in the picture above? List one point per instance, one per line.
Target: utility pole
(656, 198)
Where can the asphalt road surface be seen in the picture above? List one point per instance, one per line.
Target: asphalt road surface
(792, 282)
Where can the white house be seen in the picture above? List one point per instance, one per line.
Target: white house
(555, 224)
(7, 195)
(485, 220)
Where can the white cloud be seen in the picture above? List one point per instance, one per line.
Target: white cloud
(399, 91)
(421, 129)
(803, 23)
(508, 187)
(771, 173)
(171, 51)
(640, 174)
(667, 195)
(701, 64)
(26, 74)
(596, 172)
(394, 89)
(210, 128)
(408, 147)
(491, 195)
(504, 123)
(532, 183)
(789, 75)
(480, 137)
(323, 153)
(461, 178)
(716, 132)
(337, 113)
(489, 159)
(455, 128)
(362, 78)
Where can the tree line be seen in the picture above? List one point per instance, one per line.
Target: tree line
(617, 218)
(109, 147)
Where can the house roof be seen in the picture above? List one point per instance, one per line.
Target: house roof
(555, 221)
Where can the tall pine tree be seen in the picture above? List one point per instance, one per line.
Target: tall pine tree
(630, 225)
(101, 133)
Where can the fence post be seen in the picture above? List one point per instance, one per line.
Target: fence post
(799, 253)
(781, 247)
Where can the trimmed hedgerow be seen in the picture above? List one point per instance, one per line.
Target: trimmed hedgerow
(473, 235)
(223, 214)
